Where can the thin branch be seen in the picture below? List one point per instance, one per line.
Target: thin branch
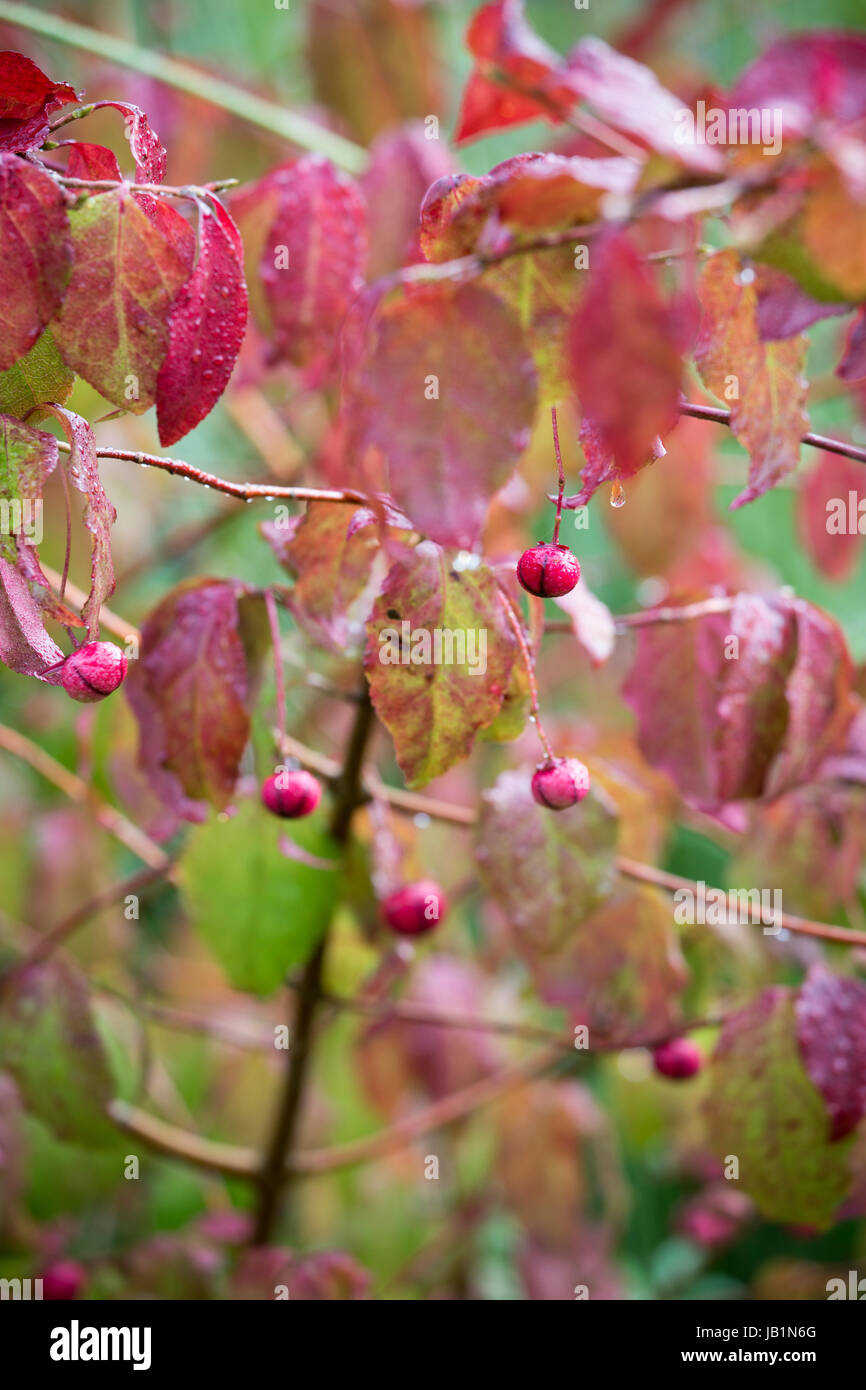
(681, 613)
(673, 883)
(240, 1162)
(271, 1177)
(517, 629)
(267, 115)
(246, 492)
(561, 475)
(112, 820)
(193, 192)
(817, 441)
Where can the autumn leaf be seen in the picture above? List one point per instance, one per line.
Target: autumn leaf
(188, 690)
(831, 1031)
(743, 704)
(35, 255)
(433, 706)
(763, 1108)
(446, 389)
(27, 98)
(331, 564)
(624, 355)
(99, 514)
(114, 325)
(206, 328)
(41, 375)
(546, 872)
(763, 383)
(304, 228)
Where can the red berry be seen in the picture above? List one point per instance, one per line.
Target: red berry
(64, 1279)
(560, 783)
(678, 1059)
(291, 793)
(548, 571)
(415, 908)
(93, 671)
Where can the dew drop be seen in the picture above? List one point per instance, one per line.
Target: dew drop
(617, 493)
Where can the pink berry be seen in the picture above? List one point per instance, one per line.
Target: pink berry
(64, 1279)
(548, 571)
(415, 908)
(91, 672)
(678, 1059)
(291, 793)
(560, 783)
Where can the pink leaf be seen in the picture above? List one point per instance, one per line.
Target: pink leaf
(741, 705)
(27, 97)
(625, 355)
(447, 392)
(35, 254)
(808, 77)
(784, 309)
(831, 1032)
(189, 690)
(25, 646)
(207, 322)
(591, 621)
(99, 514)
(403, 165)
(145, 145)
(831, 498)
(630, 97)
(304, 228)
(853, 364)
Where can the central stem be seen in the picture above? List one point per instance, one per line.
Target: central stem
(275, 1178)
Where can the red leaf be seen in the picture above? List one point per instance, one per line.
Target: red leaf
(189, 690)
(113, 328)
(25, 646)
(27, 97)
(99, 514)
(307, 240)
(447, 391)
(831, 1032)
(403, 165)
(516, 77)
(35, 253)
(853, 364)
(744, 704)
(624, 355)
(91, 161)
(147, 151)
(630, 97)
(832, 496)
(207, 323)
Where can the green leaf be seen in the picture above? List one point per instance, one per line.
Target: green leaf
(259, 911)
(50, 1045)
(40, 376)
(763, 1108)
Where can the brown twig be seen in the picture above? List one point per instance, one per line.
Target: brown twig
(817, 441)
